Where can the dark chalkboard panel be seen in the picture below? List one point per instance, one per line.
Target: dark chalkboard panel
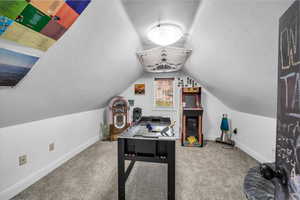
(288, 110)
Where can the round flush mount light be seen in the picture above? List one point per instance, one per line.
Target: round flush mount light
(165, 34)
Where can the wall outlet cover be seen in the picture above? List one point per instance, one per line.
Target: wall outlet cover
(22, 160)
(51, 147)
(235, 131)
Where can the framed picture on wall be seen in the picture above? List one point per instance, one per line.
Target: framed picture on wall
(139, 89)
(164, 93)
(14, 66)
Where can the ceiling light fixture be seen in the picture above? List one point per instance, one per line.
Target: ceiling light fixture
(165, 34)
(163, 59)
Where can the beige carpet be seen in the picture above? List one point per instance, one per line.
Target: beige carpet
(209, 173)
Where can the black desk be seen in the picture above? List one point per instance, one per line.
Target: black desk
(134, 148)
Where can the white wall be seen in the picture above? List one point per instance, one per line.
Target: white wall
(70, 133)
(213, 108)
(256, 135)
(235, 52)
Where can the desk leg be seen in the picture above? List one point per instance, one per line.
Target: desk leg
(171, 170)
(121, 169)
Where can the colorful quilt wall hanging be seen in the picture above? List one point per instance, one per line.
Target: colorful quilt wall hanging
(36, 24)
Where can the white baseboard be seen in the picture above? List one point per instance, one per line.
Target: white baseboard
(245, 149)
(257, 156)
(210, 138)
(23, 184)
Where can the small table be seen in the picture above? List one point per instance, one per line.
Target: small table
(134, 147)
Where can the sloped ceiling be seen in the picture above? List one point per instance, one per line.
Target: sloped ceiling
(234, 56)
(146, 13)
(94, 61)
(234, 45)
(235, 51)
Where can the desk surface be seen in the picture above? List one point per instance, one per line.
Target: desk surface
(159, 126)
(142, 133)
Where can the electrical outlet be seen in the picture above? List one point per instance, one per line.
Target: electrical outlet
(22, 160)
(51, 147)
(235, 131)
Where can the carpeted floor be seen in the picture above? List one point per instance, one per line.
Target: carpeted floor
(209, 173)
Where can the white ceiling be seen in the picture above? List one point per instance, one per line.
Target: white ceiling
(235, 52)
(81, 71)
(146, 13)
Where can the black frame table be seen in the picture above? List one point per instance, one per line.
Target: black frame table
(156, 150)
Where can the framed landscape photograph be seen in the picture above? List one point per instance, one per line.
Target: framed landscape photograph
(14, 66)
